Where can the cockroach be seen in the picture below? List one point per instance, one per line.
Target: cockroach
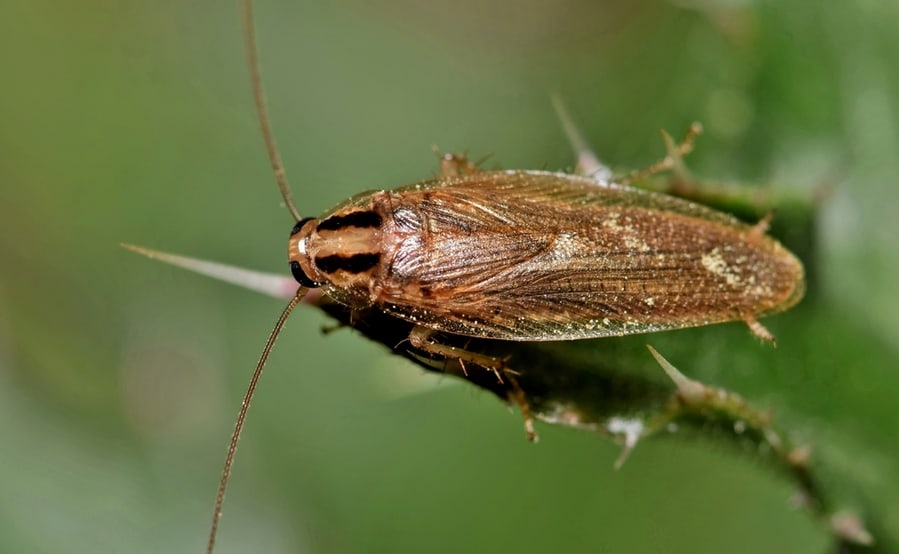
(523, 256)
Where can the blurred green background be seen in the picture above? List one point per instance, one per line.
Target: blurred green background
(119, 377)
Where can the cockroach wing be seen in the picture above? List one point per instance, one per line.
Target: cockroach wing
(528, 255)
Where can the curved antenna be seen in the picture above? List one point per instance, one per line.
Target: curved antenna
(249, 33)
(242, 415)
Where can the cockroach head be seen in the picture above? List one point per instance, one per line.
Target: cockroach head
(296, 249)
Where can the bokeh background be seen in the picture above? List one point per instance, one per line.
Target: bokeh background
(119, 377)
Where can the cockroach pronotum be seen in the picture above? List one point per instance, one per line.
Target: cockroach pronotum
(524, 256)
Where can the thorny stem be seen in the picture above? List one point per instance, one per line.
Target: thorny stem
(710, 405)
(672, 160)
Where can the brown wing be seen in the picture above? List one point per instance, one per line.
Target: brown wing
(544, 256)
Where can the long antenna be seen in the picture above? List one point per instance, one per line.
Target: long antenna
(281, 178)
(242, 415)
(249, 33)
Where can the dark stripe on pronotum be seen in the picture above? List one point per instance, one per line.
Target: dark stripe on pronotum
(357, 263)
(365, 218)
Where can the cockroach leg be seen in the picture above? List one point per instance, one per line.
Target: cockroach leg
(517, 395)
(454, 165)
(761, 227)
(588, 164)
(332, 328)
(422, 339)
(673, 161)
(463, 368)
(759, 330)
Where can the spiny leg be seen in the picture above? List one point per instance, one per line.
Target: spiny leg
(423, 339)
(355, 316)
(756, 232)
(759, 330)
(330, 328)
(761, 226)
(454, 165)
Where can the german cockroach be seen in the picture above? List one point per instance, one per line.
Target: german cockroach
(524, 256)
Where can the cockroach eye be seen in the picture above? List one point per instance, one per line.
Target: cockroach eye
(301, 277)
(299, 225)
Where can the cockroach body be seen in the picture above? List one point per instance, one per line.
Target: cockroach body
(521, 256)
(538, 256)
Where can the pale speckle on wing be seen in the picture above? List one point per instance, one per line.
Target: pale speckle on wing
(714, 263)
(630, 235)
(565, 247)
